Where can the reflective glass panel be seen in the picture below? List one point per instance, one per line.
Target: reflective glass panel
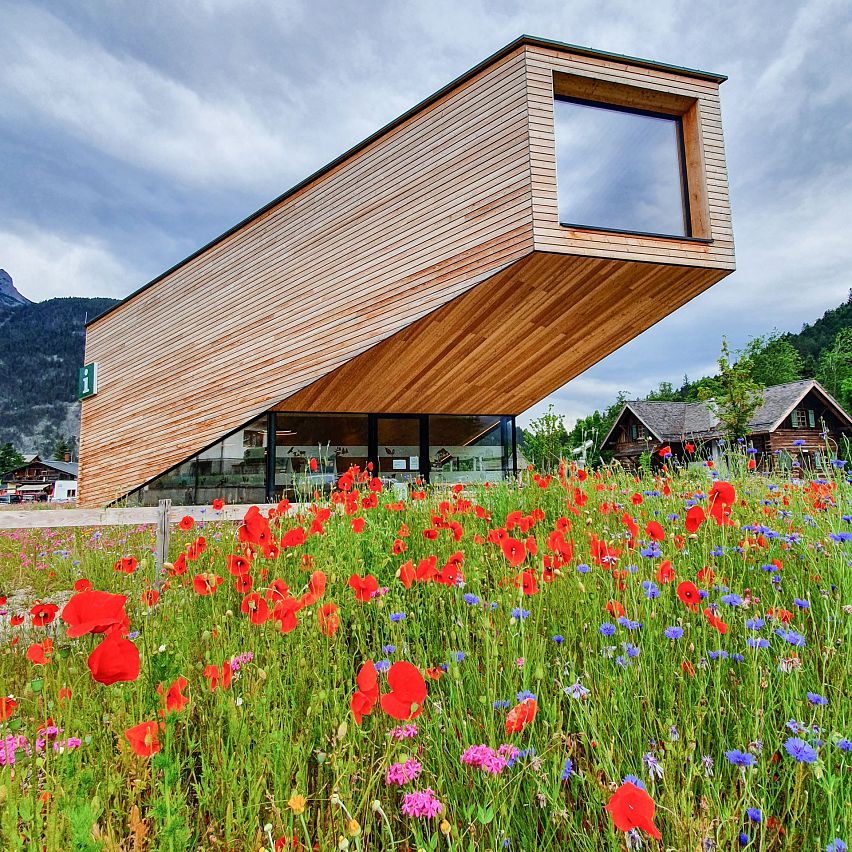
(467, 449)
(618, 169)
(398, 447)
(336, 441)
(234, 469)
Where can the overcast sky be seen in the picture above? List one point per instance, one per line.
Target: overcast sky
(132, 133)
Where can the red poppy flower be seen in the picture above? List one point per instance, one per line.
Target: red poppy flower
(143, 739)
(690, 448)
(256, 608)
(218, 504)
(7, 708)
(115, 659)
(150, 597)
(206, 583)
(243, 583)
(695, 517)
(294, 537)
(357, 525)
(277, 590)
(521, 715)
(94, 612)
(631, 807)
(431, 534)
(238, 565)
(64, 694)
(427, 569)
(689, 595)
(406, 574)
(637, 499)
(219, 676)
(316, 589)
(526, 582)
(722, 498)
(364, 587)
(715, 621)
(255, 528)
(515, 551)
(615, 609)
(408, 691)
(196, 548)
(178, 568)
(367, 694)
(655, 531)
(186, 523)
(16, 620)
(435, 673)
(40, 653)
(82, 585)
(398, 546)
(174, 698)
(705, 575)
(687, 666)
(43, 614)
(284, 612)
(665, 573)
(328, 619)
(127, 564)
(664, 451)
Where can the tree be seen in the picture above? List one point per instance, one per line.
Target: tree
(740, 395)
(60, 449)
(775, 361)
(664, 393)
(835, 368)
(545, 440)
(10, 458)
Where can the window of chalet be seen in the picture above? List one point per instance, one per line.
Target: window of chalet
(637, 432)
(803, 418)
(620, 169)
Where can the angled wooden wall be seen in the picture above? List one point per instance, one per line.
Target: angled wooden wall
(423, 213)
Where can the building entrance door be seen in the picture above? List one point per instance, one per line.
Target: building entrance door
(400, 446)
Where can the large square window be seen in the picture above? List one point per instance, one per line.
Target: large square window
(620, 169)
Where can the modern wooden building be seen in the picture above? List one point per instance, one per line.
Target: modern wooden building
(797, 422)
(405, 302)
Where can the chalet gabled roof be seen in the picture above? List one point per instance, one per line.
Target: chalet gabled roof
(677, 421)
(69, 468)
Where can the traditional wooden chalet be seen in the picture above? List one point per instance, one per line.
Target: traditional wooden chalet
(37, 477)
(405, 302)
(797, 421)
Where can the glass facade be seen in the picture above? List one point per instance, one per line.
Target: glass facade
(402, 448)
(620, 169)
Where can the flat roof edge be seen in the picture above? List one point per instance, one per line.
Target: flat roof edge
(522, 40)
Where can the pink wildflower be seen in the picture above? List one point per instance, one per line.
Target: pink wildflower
(402, 773)
(485, 758)
(421, 804)
(404, 732)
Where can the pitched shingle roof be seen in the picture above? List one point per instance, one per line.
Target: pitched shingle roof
(677, 421)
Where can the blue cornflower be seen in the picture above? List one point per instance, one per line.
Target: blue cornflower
(501, 704)
(816, 699)
(520, 614)
(801, 603)
(525, 695)
(631, 650)
(791, 636)
(396, 617)
(622, 661)
(607, 629)
(473, 600)
(755, 623)
(651, 590)
(577, 690)
(717, 551)
(845, 745)
(798, 749)
(755, 642)
(627, 624)
(558, 638)
(732, 600)
(583, 568)
(740, 758)
(715, 655)
(754, 814)
(459, 656)
(744, 841)
(737, 658)
(388, 649)
(567, 769)
(841, 536)
(633, 779)
(382, 666)
(799, 442)
(673, 632)
(836, 845)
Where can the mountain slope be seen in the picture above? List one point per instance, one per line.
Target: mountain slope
(41, 350)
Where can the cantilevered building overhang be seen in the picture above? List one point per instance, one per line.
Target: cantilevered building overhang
(466, 260)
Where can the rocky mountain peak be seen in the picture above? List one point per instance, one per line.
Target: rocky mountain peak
(9, 296)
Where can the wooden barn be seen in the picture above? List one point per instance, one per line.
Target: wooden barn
(403, 304)
(797, 422)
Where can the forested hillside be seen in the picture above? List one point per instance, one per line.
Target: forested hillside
(41, 349)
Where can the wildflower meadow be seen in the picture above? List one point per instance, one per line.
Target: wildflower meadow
(584, 661)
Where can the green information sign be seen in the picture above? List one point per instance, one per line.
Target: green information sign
(88, 381)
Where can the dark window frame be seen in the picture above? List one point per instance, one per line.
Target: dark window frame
(686, 211)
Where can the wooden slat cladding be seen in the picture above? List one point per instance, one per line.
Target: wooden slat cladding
(509, 341)
(405, 276)
(697, 100)
(388, 236)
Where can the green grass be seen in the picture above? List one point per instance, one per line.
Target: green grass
(231, 761)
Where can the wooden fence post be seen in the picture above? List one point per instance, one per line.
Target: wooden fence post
(161, 552)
